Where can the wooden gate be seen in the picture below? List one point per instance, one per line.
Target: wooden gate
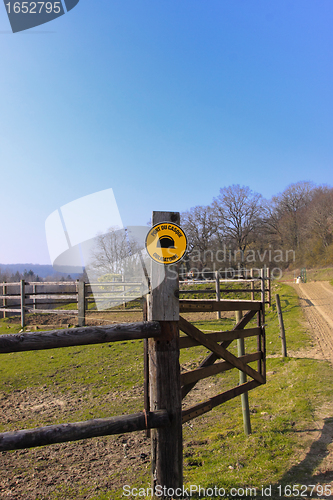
(217, 343)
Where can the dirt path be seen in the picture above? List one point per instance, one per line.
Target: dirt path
(316, 300)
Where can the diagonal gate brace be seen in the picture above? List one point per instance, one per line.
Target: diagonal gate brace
(218, 349)
(212, 357)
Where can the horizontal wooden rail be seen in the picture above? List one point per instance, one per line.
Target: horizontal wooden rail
(226, 290)
(105, 297)
(201, 373)
(121, 295)
(105, 292)
(116, 283)
(199, 305)
(115, 309)
(31, 309)
(209, 404)
(220, 336)
(222, 280)
(110, 293)
(51, 295)
(53, 303)
(13, 296)
(78, 336)
(18, 310)
(41, 283)
(29, 438)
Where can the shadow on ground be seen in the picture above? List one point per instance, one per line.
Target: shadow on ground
(315, 469)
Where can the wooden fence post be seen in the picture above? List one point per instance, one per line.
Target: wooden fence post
(269, 287)
(4, 301)
(252, 285)
(34, 297)
(164, 370)
(218, 293)
(22, 288)
(146, 402)
(262, 277)
(242, 380)
(86, 301)
(283, 333)
(81, 303)
(123, 290)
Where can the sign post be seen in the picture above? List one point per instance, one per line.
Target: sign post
(164, 368)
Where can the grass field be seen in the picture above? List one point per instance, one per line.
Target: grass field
(216, 451)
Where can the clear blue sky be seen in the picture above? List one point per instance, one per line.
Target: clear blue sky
(165, 101)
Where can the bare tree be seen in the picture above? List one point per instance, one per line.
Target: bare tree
(288, 213)
(201, 227)
(113, 253)
(320, 215)
(239, 211)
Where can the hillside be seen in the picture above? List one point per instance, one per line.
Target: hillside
(42, 270)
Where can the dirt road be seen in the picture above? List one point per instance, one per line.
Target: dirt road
(316, 299)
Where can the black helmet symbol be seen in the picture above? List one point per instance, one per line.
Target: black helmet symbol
(166, 242)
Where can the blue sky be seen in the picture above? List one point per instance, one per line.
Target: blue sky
(165, 101)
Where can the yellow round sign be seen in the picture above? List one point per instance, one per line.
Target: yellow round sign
(166, 243)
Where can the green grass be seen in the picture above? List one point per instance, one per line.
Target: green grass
(7, 328)
(216, 451)
(280, 409)
(97, 366)
(297, 336)
(72, 306)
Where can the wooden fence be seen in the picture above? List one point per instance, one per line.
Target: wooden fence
(23, 297)
(249, 288)
(165, 385)
(48, 297)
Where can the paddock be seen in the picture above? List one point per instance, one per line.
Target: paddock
(164, 385)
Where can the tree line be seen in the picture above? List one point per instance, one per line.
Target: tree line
(8, 277)
(29, 276)
(239, 229)
(242, 229)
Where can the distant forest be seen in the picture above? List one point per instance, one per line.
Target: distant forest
(240, 228)
(13, 273)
